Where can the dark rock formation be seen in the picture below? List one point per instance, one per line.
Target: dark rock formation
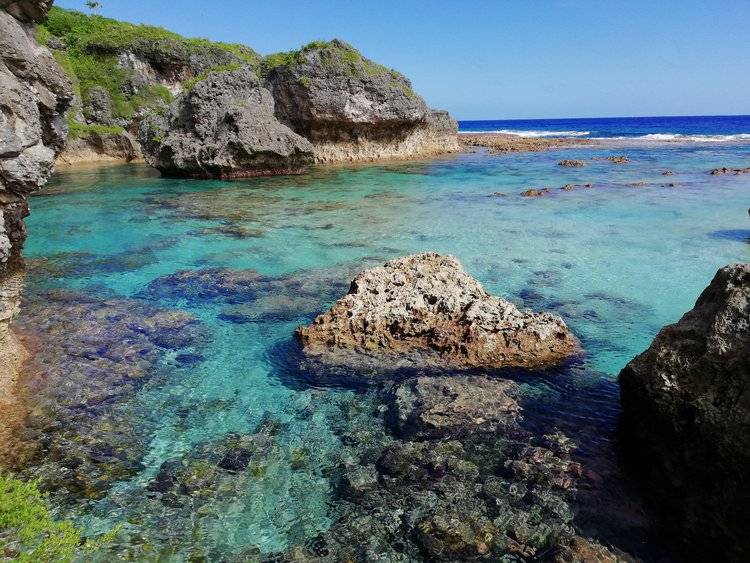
(453, 406)
(733, 171)
(351, 108)
(569, 163)
(225, 128)
(686, 403)
(427, 307)
(34, 95)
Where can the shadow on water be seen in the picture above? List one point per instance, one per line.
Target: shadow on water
(737, 235)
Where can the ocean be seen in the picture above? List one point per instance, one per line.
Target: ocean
(721, 128)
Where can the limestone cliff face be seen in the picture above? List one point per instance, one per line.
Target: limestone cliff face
(353, 109)
(34, 95)
(224, 128)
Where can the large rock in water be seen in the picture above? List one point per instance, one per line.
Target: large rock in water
(34, 95)
(352, 108)
(686, 404)
(223, 128)
(426, 309)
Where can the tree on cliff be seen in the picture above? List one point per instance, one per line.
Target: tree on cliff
(93, 6)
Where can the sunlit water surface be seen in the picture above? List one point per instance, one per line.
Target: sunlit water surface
(617, 261)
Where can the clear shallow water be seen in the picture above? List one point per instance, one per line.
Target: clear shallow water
(617, 261)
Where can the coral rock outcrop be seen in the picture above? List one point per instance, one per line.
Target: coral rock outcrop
(427, 308)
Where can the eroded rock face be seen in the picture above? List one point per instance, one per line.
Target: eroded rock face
(34, 95)
(429, 407)
(224, 128)
(351, 108)
(426, 308)
(686, 402)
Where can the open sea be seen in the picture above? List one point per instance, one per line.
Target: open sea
(717, 128)
(120, 258)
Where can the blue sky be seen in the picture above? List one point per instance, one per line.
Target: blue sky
(506, 59)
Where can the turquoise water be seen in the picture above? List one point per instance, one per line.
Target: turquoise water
(617, 261)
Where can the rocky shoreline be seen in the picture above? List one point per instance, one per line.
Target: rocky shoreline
(500, 143)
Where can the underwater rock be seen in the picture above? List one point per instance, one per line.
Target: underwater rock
(90, 356)
(208, 284)
(427, 307)
(686, 408)
(622, 159)
(570, 163)
(430, 407)
(223, 128)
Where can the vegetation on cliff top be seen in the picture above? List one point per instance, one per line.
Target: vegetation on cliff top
(29, 533)
(92, 44)
(333, 54)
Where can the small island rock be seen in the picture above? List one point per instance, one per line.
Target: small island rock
(426, 307)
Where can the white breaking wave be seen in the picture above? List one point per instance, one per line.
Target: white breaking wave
(679, 137)
(522, 133)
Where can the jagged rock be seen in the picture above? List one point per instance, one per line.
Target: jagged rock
(428, 407)
(29, 11)
(569, 163)
(351, 108)
(427, 308)
(99, 106)
(34, 95)
(733, 171)
(686, 403)
(225, 128)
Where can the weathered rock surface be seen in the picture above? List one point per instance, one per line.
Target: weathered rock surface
(686, 403)
(351, 108)
(224, 128)
(34, 94)
(453, 406)
(426, 307)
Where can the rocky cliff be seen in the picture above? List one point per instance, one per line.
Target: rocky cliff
(34, 96)
(352, 108)
(122, 72)
(686, 403)
(224, 127)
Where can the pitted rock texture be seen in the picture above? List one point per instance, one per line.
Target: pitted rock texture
(427, 307)
(686, 402)
(351, 108)
(34, 95)
(453, 406)
(223, 128)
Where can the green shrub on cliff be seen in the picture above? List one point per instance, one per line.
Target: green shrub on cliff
(93, 43)
(28, 533)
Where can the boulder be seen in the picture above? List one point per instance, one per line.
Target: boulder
(686, 403)
(453, 406)
(570, 163)
(425, 308)
(223, 128)
(352, 108)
